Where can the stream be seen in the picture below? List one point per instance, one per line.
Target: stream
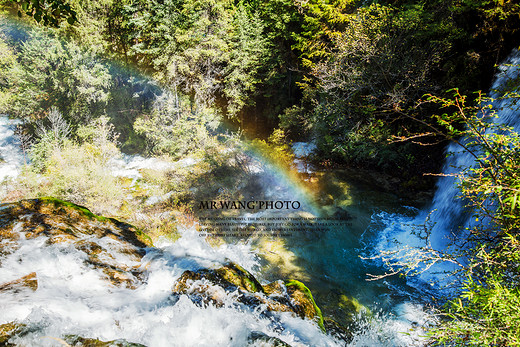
(327, 259)
(333, 261)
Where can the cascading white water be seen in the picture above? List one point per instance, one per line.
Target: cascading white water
(448, 219)
(73, 297)
(449, 215)
(11, 157)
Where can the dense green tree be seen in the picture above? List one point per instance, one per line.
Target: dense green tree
(47, 12)
(343, 71)
(172, 127)
(249, 52)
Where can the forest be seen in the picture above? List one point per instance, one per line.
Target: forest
(378, 87)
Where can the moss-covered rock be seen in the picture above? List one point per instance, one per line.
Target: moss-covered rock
(303, 302)
(64, 222)
(46, 213)
(231, 276)
(291, 296)
(351, 304)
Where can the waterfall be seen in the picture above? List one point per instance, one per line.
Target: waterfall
(11, 157)
(398, 234)
(449, 214)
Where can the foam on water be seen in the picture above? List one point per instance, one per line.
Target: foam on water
(404, 328)
(301, 151)
(400, 236)
(75, 298)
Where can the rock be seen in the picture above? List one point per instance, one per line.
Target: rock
(275, 288)
(238, 276)
(259, 339)
(54, 217)
(336, 330)
(352, 305)
(30, 282)
(303, 302)
(7, 331)
(200, 285)
(291, 296)
(230, 277)
(73, 340)
(342, 214)
(64, 222)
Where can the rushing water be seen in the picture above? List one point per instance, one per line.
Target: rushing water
(449, 211)
(448, 220)
(74, 298)
(11, 158)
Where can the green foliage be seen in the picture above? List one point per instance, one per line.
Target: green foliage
(100, 27)
(194, 55)
(73, 171)
(322, 22)
(174, 127)
(368, 65)
(42, 72)
(358, 63)
(486, 311)
(50, 73)
(9, 71)
(47, 12)
(249, 52)
(208, 50)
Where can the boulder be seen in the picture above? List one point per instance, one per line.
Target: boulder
(210, 286)
(64, 222)
(259, 339)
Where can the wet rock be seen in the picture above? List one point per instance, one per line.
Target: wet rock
(334, 329)
(230, 277)
(275, 288)
(303, 302)
(61, 222)
(291, 296)
(26, 282)
(78, 341)
(211, 285)
(259, 339)
(7, 331)
(351, 304)
(342, 214)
